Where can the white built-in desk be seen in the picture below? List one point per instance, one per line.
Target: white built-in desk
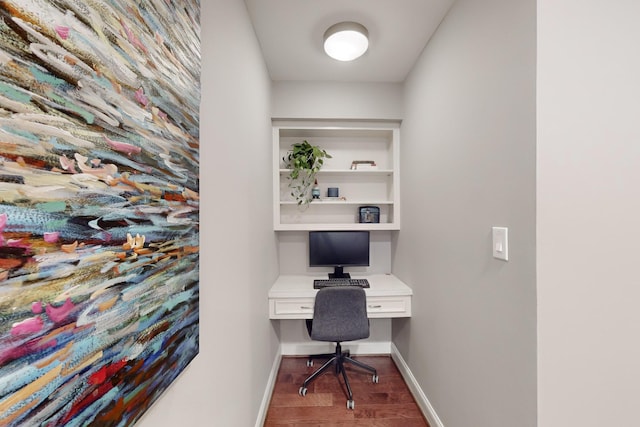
(292, 297)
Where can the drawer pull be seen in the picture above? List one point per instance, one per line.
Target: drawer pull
(375, 306)
(305, 307)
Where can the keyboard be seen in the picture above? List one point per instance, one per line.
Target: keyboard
(325, 283)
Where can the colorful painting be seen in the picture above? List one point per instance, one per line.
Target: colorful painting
(99, 207)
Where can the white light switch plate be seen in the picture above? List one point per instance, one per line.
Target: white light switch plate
(501, 243)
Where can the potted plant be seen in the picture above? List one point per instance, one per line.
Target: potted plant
(304, 160)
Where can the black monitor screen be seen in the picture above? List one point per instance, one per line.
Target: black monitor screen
(338, 249)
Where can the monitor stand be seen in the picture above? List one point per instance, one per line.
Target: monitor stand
(338, 273)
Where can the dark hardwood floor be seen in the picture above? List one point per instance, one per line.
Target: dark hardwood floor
(388, 403)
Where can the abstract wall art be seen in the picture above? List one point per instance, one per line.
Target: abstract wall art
(99, 207)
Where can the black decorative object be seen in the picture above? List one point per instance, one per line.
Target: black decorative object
(333, 192)
(369, 214)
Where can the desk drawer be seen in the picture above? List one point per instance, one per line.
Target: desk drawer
(291, 308)
(389, 306)
(302, 308)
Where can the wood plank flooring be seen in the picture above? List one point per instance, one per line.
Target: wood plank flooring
(386, 404)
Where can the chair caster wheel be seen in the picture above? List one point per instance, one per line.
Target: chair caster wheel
(375, 379)
(350, 404)
(302, 391)
(310, 362)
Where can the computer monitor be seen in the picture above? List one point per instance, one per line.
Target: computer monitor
(338, 249)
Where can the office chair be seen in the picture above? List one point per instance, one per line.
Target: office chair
(339, 314)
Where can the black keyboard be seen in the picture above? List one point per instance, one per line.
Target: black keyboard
(325, 283)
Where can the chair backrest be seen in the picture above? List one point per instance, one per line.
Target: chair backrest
(340, 314)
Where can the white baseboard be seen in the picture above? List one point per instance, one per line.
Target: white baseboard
(416, 390)
(314, 347)
(271, 383)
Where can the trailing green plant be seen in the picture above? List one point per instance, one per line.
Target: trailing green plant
(304, 160)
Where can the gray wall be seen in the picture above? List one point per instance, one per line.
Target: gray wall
(468, 163)
(225, 384)
(588, 213)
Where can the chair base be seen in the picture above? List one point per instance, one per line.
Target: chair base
(337, 359)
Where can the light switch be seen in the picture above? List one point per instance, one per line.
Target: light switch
(501, 243)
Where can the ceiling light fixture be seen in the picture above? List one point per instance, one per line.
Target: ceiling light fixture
(346, 41)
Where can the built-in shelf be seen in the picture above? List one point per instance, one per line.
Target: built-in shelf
(345, 141)
(329, 201)
(347, 172)
(335, 226)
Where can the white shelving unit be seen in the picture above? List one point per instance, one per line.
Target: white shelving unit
(345, 141)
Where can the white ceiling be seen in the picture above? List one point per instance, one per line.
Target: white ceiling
(290, 34)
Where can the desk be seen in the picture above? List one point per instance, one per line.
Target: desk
(292, 297)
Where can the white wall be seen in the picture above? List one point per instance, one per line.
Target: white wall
(225, 384)
(294, 254)
(588, 205)
(468, 163)
(332, 100)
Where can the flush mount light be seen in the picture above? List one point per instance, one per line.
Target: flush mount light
(346, 41)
